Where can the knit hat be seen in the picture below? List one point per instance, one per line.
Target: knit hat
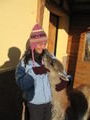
(37, 36)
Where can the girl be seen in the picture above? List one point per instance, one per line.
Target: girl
(32, 78)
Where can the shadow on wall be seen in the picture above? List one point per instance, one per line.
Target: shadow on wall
(14, 56)
(10, 95)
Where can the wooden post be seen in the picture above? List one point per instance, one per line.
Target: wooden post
(40, 11)
(56, 8)
(52, 36)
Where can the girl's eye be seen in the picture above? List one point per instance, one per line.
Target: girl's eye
(44, 43)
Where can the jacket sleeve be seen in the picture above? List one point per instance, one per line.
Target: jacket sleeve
(23, 79)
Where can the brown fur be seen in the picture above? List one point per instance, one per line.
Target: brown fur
(60, 99)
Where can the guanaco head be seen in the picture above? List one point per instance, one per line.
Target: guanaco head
(53, 64)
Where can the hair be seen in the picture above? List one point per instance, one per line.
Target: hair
(28, 56)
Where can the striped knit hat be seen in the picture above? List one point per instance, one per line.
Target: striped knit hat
(37, 36)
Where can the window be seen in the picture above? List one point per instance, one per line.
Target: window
(87, 47)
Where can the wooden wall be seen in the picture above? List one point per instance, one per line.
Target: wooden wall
(76, 66)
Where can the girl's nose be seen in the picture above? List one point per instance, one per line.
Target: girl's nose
(43, 45)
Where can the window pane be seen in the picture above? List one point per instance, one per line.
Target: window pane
(87, 47)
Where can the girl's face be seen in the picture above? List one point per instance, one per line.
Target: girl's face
(40, 47)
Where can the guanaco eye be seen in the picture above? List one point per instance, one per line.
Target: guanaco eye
(52, 62)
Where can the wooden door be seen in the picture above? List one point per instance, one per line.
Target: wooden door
(78, 65)
(82, 73)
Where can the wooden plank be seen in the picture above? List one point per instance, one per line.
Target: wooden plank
(55, 8)
(40, 11)
(52, 36)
